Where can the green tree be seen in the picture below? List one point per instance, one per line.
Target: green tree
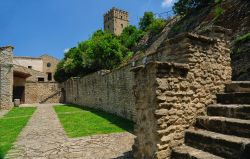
(102, 51)
(60, 74)
(107, 51)
(131, 36)
(147, 19)
(157, 26)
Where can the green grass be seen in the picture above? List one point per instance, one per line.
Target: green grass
(83, 121)
(11, 125)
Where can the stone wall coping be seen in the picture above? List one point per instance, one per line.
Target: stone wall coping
(27, 57)
(192, 36)
(6, 47)
(180, 37)
(162, 64)
(217, 29)
(42, 82)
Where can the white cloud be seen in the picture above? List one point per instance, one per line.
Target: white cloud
(167, 3)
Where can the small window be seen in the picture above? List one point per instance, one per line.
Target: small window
(48, 64)
(30, 67)
(121, 17)
(122, 25)
(49, 76)
(40, 79)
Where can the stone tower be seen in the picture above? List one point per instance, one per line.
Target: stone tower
(115, 20)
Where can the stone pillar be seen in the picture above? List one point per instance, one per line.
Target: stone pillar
(170, 95)
(6, 77)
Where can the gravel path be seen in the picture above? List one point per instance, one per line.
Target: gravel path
(43, 138)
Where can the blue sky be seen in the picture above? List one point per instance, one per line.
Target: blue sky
(36, 27)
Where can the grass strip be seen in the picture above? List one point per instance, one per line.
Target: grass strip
(83, 121)
(11, 124)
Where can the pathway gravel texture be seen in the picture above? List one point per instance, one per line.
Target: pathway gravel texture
(44, 138)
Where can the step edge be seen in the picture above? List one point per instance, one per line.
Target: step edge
(219, 136)
(228, 105)
(226, 119)
(188, 150)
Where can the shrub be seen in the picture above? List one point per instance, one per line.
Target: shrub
(157, 26)
(131, 36)
(243, 38)
(147, 19)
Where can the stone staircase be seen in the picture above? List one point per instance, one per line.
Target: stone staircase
(224, 132)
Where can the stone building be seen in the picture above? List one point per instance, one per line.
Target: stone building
(29, 79)
(44, 64)
(115, 20)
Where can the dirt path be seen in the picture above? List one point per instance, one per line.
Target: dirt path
(43, 138)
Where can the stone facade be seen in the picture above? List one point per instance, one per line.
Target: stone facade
(41, 69)
(34, 63)
(49, 66)
(34, 81)
(109, 91)
(6, 77)
(45, 92)
(33, 74)
(171, 94)
(115, 20)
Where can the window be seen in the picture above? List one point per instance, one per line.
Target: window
(122, 25)
(48, 64)
(40, 79)
(121, 17)
(49, 76)
(30, 67)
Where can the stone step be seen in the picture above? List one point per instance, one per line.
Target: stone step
(186, 152)
(230, 111)
(230, 126)
(238, 86)
(227, 146)
(233, 98)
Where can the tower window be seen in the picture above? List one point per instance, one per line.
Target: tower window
(121, 17)
(122, 25)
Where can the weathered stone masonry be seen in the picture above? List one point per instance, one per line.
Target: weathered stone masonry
(6, 77)
(109, 91)
(44, 92)
(170, 94)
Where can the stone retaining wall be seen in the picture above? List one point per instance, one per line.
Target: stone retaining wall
(108, 91)
(170, 95)
(44, 92)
